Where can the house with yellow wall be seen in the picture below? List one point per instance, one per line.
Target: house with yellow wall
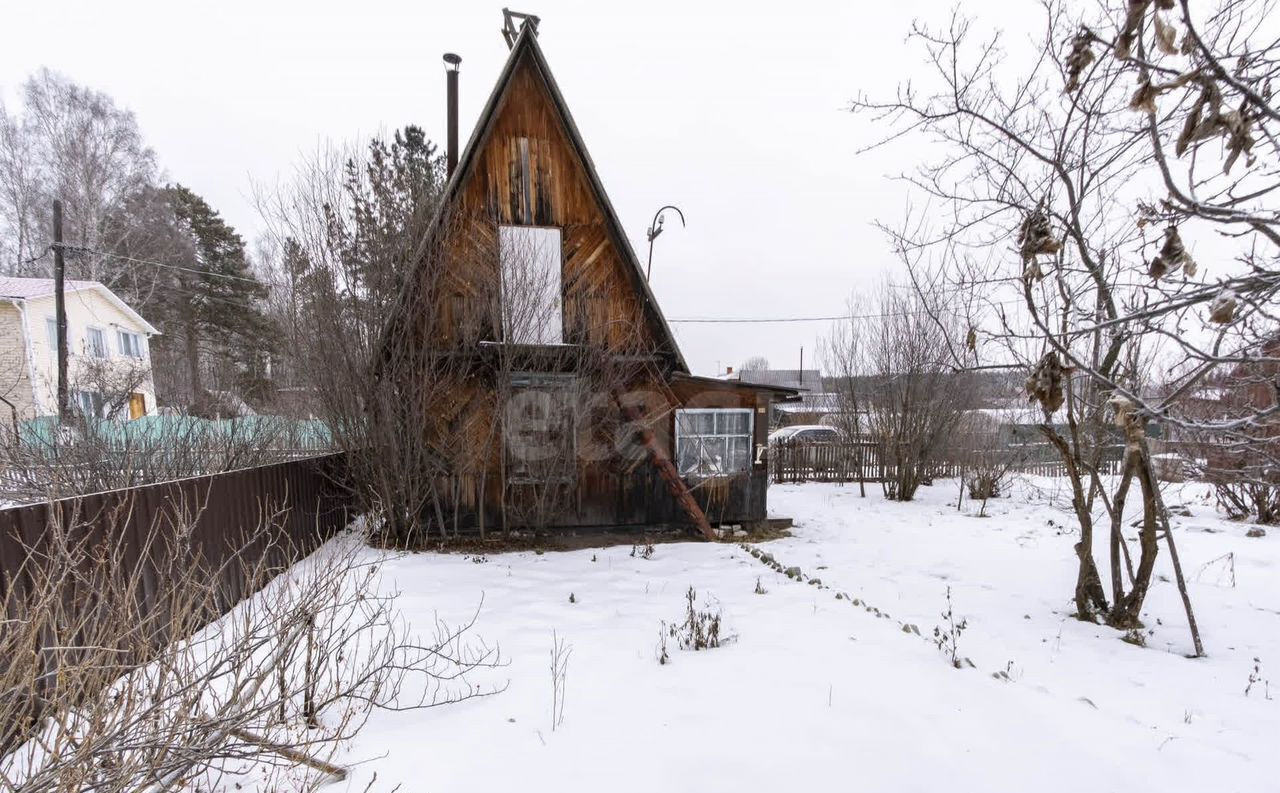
(108, 351)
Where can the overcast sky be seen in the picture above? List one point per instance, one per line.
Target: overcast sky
(733, 112)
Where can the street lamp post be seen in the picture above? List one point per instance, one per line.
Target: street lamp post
(655, 229)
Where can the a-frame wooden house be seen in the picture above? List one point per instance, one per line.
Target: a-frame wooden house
(576, 405)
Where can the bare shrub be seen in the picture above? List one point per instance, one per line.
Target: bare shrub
(560, 653)
(700, 629)
(1242, 499)
(947, 637)
(128, 676)
(987, 458)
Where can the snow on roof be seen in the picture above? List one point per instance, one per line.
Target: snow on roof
(803, 380)
(823, 402)
(28, 288)
(33, 288)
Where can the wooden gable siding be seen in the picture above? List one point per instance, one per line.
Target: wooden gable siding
(526, 165)
(601, 301)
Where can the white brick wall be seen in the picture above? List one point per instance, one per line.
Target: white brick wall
(15, 369)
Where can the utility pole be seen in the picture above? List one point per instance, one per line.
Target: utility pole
(60, 308)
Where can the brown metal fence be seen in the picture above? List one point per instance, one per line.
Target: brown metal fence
(865, 461)
(298, 503)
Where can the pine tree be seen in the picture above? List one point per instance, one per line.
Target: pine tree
(212, 305)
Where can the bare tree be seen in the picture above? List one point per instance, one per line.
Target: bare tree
(1058, 159)
(894, 368)
(75, 144)
(354, 221)
(845, 357)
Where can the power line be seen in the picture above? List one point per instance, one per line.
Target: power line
(154, 263)
(36, 258)
(733, 320)
(763, 320)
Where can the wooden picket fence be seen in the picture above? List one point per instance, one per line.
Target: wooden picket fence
(866, 462)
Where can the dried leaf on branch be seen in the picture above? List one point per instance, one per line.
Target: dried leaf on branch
(1166, 36)
(1132, 27)
(1035, 238)
(1144, 99)
(1130, 421)
(1239, 138)
(1079, 59)
(1207, 120)
(1173, 254)
(1223, 308)
(1045, 384)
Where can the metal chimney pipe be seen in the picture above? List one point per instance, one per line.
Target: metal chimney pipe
(451, 64)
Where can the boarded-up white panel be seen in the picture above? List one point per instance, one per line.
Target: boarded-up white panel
(531, 284)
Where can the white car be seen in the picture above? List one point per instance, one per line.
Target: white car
(806, 433)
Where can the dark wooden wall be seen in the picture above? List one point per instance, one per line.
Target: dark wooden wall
(526, 171)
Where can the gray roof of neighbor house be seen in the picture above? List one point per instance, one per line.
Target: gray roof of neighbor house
(28, 288)
(799, 379)
(34, 288)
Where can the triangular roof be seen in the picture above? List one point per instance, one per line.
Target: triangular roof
(527, 43)
(35, 288)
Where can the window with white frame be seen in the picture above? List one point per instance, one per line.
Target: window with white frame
(710, 442)
(130, 343)
(96, 340)
(530, 284)
(51, 328)
(91, 403)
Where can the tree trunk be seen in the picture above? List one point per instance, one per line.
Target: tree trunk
(1177, 567)
(193, 360)
(1090, 597)
(1127, 613)
(1117, 533)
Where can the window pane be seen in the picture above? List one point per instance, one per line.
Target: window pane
(51, 325)
(688, 462)
(740, 454)
(530, 260)
(733, 422)
(130, 344)
(714, 455)
(684, 424)
(690, 422)
(97, 343)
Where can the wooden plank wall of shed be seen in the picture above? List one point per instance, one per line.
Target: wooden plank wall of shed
(602, 308)
(597, 286)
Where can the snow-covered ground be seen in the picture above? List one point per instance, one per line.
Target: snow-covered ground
(817, 692)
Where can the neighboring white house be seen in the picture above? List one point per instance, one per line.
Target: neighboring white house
(108, 361)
